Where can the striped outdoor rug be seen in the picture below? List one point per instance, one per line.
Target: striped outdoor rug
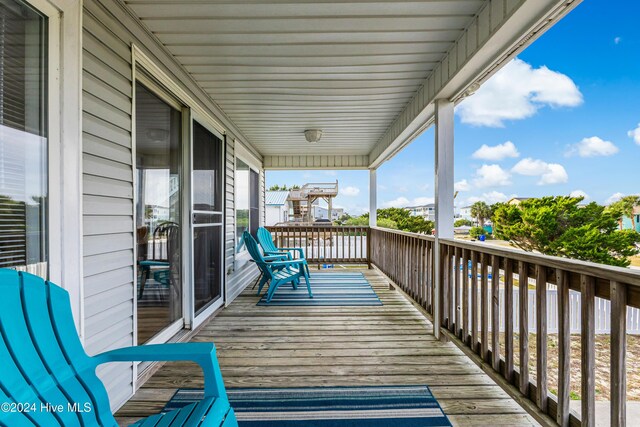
(392, 406)
(329, 289)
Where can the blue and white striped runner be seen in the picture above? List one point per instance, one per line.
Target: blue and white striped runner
(370, 406)
(329, 289)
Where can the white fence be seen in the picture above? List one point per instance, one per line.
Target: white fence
(602, 313)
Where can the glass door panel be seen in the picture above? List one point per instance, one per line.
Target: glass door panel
(208, 228)
(158, 207)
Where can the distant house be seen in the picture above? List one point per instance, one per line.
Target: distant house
(626, 224)
(322, 212)
(428, 212)
(276, 207)
(517, 200)
(465, 213)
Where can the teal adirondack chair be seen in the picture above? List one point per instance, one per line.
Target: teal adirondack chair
(278, 272)
(43, 362)
(270, 248)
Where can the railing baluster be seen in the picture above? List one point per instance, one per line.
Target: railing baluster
(618, 354)
(541, 337)
(588, 365)
(564, 348)
(495, 312)
(508, 320)
(523, 293)
(474, 301)
(458, 311)
(444, 272)
(465, 296)
(484, 307)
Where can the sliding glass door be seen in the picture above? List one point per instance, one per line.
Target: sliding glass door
(207, 187)
(158, 199)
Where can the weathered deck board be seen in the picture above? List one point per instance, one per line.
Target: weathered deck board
(332, 346)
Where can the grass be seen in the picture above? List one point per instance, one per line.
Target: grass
(602, 380)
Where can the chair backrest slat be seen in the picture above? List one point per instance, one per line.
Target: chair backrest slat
(265, 240)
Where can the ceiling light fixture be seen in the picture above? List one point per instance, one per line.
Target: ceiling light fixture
(313, 135)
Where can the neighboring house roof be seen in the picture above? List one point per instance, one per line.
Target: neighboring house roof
(466, 207)
(517, 200)
(430, 205)
(276, 197)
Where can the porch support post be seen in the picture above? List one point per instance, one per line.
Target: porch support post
(443, 196)
(373, 198)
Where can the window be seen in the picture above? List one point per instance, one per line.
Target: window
(23, 138)
(247, 182)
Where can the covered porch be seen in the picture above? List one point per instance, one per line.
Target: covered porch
(391, 344)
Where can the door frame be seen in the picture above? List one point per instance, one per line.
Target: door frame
(197, 320)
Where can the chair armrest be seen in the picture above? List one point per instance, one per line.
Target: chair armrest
(204, 354)
(287, 262)
(276, 253)
(293, 249)
(274, 257)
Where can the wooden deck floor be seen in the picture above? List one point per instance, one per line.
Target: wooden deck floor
(331, 346)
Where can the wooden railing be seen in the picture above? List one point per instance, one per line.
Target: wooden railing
(325, 244)
(479, 290)
(472, 276)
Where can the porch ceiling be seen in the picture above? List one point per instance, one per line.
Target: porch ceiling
(366, 72)
(279, 67)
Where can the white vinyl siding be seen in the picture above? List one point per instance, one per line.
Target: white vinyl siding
(236, 280)
(107, 198)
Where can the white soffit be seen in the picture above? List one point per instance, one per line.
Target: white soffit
(279, 67)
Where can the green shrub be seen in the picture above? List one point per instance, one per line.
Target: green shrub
(476, 232)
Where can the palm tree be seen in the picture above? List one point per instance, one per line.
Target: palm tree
(626, 207)
(481, 212)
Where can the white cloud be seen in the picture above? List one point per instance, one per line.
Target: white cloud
(350, 191)
(617, 40)
(579, 193)
(491, 176)
(422, 201)
(549, 173)
(462, 185)
(555, 174)
(402, 202)
(614, 198)
(489, 198)
(496, 152)
(635, 134)
(530, 167)
(593, 147)
(516, 92)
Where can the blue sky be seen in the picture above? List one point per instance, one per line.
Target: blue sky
(568, 105)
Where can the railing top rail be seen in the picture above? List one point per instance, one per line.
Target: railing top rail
(608, 272)
(405, 233)
(316, 225)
